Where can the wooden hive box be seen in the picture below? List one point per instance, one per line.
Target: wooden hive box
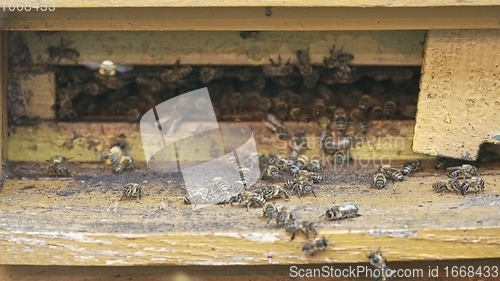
(79, 222)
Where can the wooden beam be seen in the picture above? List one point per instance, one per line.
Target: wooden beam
(253, 18)
(459, 100)
(79, 222)
(85, 141)
(3, 100)
(228, 48)
(271, 3)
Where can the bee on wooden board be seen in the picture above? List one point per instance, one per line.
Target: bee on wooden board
(249, 34)
(302, 186)
(378, 261)
(337, 58)
(299, 164)
(275, 125)
(132, 190)
(177, 72)
(108, 68)
(473, 184)
(391, 173)
(271, 173)
(379, 180)
(62, 52)
(248, 198)
(442, 186)
(270, 211)
(284, 215)
(346, 210)
(274, 191)
(411, 167)
(312, 247)
(277, 69)
(56, 164)
(125, 163)
(464, 171)
(294, 226)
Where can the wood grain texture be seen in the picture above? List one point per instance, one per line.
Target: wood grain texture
(272, 3)
(39, 90)
(79, 222)
(459, 105)
(84, 142)
(228, 48)
(226, 19)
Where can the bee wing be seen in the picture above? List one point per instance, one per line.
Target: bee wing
(123, 68)
(274, 120)
(269, 125)
(92, 65)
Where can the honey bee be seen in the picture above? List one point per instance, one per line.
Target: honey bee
(111, 82)
(153, 84)
(303, 63)
(264, 104)
(313, 177)
(177, 72)
(311, 247)
(488, 155)
(314, 165)
(270, 211)
(319, 107)
(236, 101)
(364, 103)
(208, 73)
(272, 173)
(238, 186)
(294, 114)
(93, 89)
(346, 210)
(376, 113)
(299, 164)
(359, 117)
(276, 126)
(66, 111)
(337, 58)
(269, 11)
(62, 52)
(57, 165)
(297, 144)
(392, 173)
(248, 198)
(115, 155)
(132, 190)
(377, 260)
(389, 108)
(304, 117)
(340, 118)
(125, 163)
(108, 68)
(277, 69)
(245, 74)
(280, 109)
(401, 74)
(411, 167)
(221, 184)
(465, 171)
(245, 175)
(443, 185)
(284, 215)
(302, 186)
(133, 115)
(294, 226)
(379, 180)
(274, 191)
(475, 184)
(249, 34)
(310, 81)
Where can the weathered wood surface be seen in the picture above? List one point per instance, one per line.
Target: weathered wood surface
(3, 99)
(272, 3)
(39, 91)
(254, 18)
(228, 48)
(459, 104)
(84, 142)
(80, 222)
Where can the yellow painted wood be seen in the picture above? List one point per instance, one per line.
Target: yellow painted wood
(79, 222)
(39, 90)
(228, 48)
(271, 3)
(248, 18)
(459, 105)
(85, 142)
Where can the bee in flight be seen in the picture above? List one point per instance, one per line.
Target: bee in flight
(108, 68)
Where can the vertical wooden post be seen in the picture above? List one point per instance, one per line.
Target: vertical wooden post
(3, 99)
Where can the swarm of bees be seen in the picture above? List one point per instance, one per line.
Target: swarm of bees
(470, 181)
(386, 172)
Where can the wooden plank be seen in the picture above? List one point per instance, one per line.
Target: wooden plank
(459, 99)
(85, 142)
(39, 91)
(3, 100)
(225, 19)
(228, 48)
(79, 222)
(262, 3)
